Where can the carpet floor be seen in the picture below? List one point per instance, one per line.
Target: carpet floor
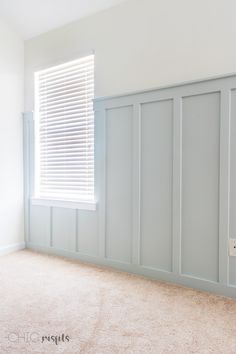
(52, 305)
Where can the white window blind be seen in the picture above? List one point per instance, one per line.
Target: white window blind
(64, 125)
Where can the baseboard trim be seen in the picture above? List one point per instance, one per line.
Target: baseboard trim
(11, 248)
(155, 274)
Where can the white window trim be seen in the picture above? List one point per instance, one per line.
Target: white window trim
(86, 205)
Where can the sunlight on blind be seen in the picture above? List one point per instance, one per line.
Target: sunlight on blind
(65, 131)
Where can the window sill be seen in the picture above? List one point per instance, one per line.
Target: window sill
(90, 205)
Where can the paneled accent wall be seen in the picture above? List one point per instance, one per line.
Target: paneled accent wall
(165, 164)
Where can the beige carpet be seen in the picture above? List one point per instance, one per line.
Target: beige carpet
(105, 312)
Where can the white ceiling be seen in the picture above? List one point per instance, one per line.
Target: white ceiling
(33, 17)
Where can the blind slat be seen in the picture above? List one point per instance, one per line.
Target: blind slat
(85, 102)
(80, 67)
(65, 131)
(60, 81)
(76, 81)
(68, 96)
(59, 122)
(65, 136)
(66, 90)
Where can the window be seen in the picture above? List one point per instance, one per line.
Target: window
(64, 139)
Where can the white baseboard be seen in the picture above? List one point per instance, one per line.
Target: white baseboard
(11, 248)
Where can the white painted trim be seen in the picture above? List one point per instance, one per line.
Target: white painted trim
(64, 204)
(11, 248)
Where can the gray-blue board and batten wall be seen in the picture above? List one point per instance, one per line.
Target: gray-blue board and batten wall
(165, 181)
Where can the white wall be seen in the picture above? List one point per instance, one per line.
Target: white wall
(144, 43)
(11, 107)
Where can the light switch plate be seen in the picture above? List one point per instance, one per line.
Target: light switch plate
(232, 247)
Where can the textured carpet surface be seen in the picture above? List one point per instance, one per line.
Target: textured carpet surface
(102, 311)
